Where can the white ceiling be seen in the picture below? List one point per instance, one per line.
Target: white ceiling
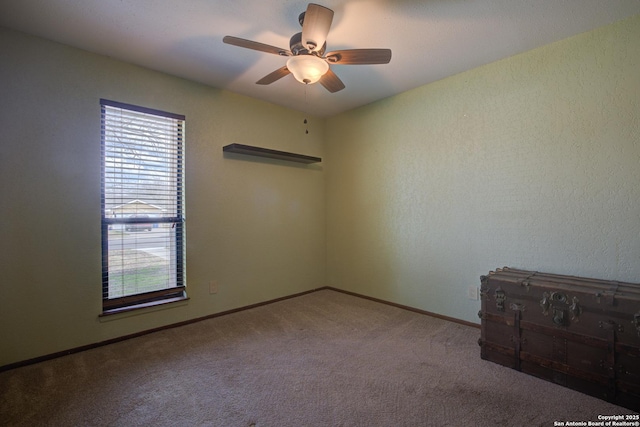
(430, 39)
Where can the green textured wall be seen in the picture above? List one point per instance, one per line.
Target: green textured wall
(530, 162)
(257, 227)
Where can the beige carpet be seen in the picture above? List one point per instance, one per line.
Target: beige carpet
(321, 359)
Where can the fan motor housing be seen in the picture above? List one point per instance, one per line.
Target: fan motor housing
(297, 48)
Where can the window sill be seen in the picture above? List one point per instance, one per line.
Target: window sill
(137, 307)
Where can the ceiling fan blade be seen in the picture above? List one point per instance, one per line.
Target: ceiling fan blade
(331, 82)
(359, 56)
(315, 27)
(249, 44)
(272, 77)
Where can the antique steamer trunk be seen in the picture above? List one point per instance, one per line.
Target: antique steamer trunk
(578, 332)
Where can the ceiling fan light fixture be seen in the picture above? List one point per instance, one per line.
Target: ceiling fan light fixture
(307, 69)
(307, 61)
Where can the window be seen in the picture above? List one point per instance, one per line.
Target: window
(142, 207)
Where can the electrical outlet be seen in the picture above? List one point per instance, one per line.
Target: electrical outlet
(213, 287)
(473, 293)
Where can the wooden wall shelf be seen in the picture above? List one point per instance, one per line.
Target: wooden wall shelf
(268, 153)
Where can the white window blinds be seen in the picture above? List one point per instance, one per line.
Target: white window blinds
(142, 205)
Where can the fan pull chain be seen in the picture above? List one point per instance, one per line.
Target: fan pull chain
(306, 107)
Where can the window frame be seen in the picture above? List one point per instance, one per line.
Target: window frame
(161, 296)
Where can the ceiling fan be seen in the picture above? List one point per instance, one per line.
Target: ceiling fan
(307, 59)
